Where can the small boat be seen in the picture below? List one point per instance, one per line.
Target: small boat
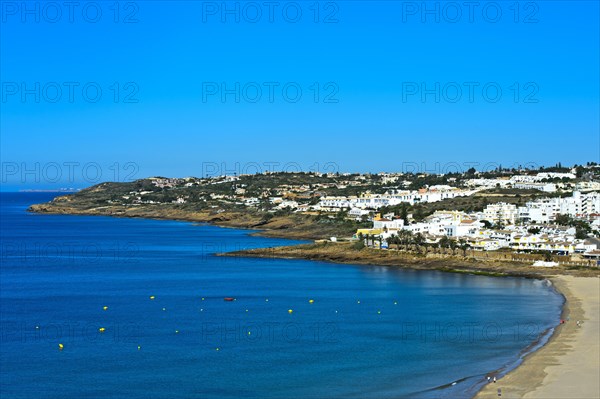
(229, 299)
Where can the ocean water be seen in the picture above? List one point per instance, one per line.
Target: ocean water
(370, 332)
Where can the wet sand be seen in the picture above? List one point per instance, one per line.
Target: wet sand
(568, 366)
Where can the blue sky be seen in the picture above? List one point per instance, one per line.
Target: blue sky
(388, 77)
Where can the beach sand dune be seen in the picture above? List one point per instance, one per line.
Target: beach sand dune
(569, 365)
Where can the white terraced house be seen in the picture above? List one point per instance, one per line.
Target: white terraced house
(394, 197)
(501, 213)
(545, 210)
(546, 187)
(335, 204)
(544, 242)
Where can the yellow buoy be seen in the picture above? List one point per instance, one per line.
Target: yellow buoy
(105, 308)
(311, 301)
(102, 329)
(176, 331)
(202, 298)
(379, 312)
(290, 311)
(151, 296)
(249, 333)
(217, 349)
(139, 347)
(246, 310)
(60, 347)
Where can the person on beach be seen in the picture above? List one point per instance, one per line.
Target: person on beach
(494, 379)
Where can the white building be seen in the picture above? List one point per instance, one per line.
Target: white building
(358, 213)
(545, 210)
(545, 187)
(334, 204)
(501, 213)
(390, 224)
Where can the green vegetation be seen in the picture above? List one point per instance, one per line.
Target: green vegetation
(582, 228)
(473, 203)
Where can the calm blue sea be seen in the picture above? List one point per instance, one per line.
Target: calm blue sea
(370, 332)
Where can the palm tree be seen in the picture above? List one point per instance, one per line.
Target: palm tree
(418, 240)
(391, 240)
(464, 245)
(443, 243)
(453, 245)
(401, 238)
(426, 246)
(405, 238)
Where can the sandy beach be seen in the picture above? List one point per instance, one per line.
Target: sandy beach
(568, 366)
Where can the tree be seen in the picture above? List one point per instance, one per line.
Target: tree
(404, 213)
(453, 245)
(464, 245)
(418, 214)
(563, 220)
(391, 240)
(405, 238)
(426, 246)
(443, 243)
(580, 233)
(418, 240)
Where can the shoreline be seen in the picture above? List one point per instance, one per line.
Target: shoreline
(540, 367)
(530, 378)
(344, 252)
(567, 365)
(477, 263)
(281, 227)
